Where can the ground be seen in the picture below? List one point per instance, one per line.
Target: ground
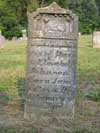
(12, 81)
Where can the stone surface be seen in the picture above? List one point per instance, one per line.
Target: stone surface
(96, 39)
(14, 38)
(2, 41)
(24, 34)
(51, 68)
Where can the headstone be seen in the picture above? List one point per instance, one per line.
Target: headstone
(96, 39)
(14, 38)
(79, 34)
(24, 34)
(2, 41)
(51, 69)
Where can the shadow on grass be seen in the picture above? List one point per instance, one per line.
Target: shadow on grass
(4, 98)
(90, 46)
(21, 90)
(16, 130)
(84, 130)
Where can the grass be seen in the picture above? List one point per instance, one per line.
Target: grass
(88, 65)
(88, 101)
(93, 95)
(11, 130)
(12, 66)
(12, 80)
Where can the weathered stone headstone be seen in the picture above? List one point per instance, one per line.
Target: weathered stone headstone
(96, 39)
(14, 38)
(2, 41)
(79, 33)
(51, 69)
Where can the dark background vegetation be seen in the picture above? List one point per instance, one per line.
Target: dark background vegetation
(13, 14)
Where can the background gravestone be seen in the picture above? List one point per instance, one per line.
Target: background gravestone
(2, 40)
(96, 39)
(51, 69)
(24, 34)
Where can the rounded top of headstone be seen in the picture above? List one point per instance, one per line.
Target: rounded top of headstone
(53, 8)
(24, 31)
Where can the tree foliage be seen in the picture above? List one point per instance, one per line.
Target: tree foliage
(13, 14)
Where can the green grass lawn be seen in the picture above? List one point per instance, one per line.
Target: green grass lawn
(88, 98)
(12, 79)
(88, 67)
(12, 67)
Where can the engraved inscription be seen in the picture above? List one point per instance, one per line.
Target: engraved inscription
(51, 72)
(49, 67)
